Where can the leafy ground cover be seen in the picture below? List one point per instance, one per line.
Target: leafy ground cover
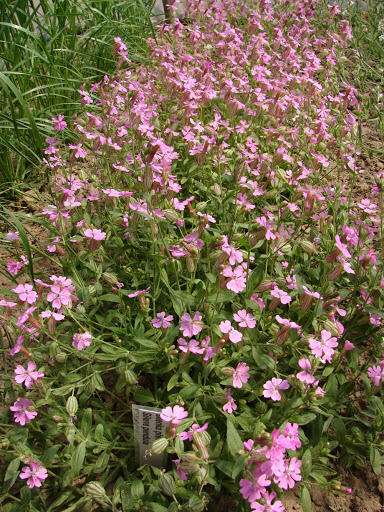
(207, 258)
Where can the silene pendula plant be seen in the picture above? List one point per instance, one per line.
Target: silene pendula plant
(202, 257)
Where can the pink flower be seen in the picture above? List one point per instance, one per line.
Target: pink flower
(59, 123)
(81, 341)
(14, 267)
(240, 375)
(17, 346)
(173, 415)
(21, 413)
(25, 293)
(24, 316)
(28, 376)
(237, 281)
(230, 405)
(139, 292)
(7, 304)
(291, 474)
(234, 254)
(323, 349)
(268, 506)
(226, 328)
(259, 301)
(348, 345)
(80, 152)
(191, 327)
(35, 474)
(305, 376)
(272, 388)
(254, 490)
(162, 321)
(52, 314)
(95, 234)
(244, 319)
(283, 296)
(188, 436)
(61, 293)
(291, 434)
(181, 474)
(376, 374)
(190, 346)
(13, 235)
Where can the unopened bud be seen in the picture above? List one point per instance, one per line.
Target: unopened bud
(97, 492)
(61, 357)
(110, 278)
(331, 327)
(171, 215)
(335, 272)
(308, 247)
(197, 439)
(190, 261)
(167, 484)
(130, 377)
(265, 285)
(159, 445)
(227, 371)
(72, 405)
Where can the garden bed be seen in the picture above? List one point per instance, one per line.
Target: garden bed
(209, 249)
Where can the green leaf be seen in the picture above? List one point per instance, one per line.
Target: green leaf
(143, 396)
(110, 297)
(306, 465)
(305, 499)
(60, 500)
(234, 442)
(225, 466)
(340, 430)
(11, 474)
(78, 457)
(156, 507)
(172, 381)
(375, 458)
(239, 465)
(144, 356)
(148, 343)
(86, 421)
(304, 419)
(64, 390)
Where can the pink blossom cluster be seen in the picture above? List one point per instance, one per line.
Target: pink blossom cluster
(276, 468)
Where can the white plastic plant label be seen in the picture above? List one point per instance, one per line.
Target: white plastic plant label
(147, 427)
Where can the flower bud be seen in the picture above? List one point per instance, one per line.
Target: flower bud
(331, 327)
(97, 492)
(167, 484)
(171, 215)
(61, 357)
(190, 261)
(110, 278)
(189, 458)
(72, 405)
(265, 286)
(335, 272)
(216, 189)
(130, 377)
(197, 439)
(227, 371)
(188, 467)
(308, 247)
(159, 445)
